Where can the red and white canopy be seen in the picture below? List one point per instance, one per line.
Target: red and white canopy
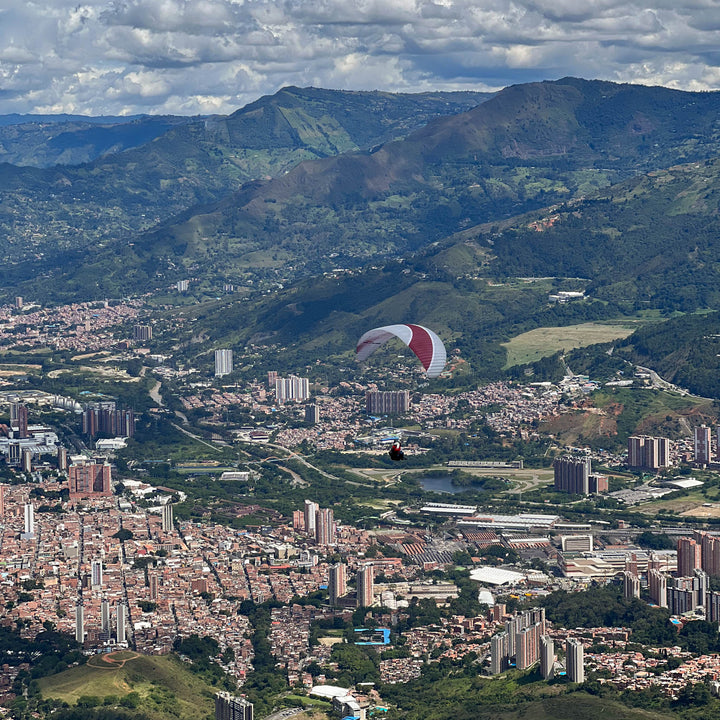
(424, 343)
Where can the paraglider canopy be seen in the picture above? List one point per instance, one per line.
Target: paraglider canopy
(396, 451)
(426, 345)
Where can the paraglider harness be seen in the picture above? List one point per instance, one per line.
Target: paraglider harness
(396, 452)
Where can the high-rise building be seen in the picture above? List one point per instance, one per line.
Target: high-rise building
(22, 422)
(598, 484)
(105, 419)
(14, 453)
(631, 585)
(298, 520)
(96, 573)
(182, 285)
(337, 582)
(528, 646)
(18, 302)
(547, 657)
(26, 460)
(635, 450)
(312, 414)
(390, 402)
(572, 475)
(79, 622)
(292, 388)
(712, 607)
(311, 509)
(710, 552)
(512, 627)
(29, 533)
(499, 653)
(154, 586)
(648, 452)
(62, 458)
(223, 362)
(272, 377)
(701, 583)
(365, 586)
(657, 587)
(91, 479)
(167, 518)
(689, 557)
(142, 332)
(575, 661)
(498, 611)
(657, 452)
(120, 623)
(105, 617)
(702, 445)
(682, 600)
(230, 707)
(324, 527)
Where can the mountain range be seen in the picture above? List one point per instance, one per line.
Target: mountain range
(329, 210)
(52, 219)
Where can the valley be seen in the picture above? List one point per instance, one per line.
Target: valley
(179, 313)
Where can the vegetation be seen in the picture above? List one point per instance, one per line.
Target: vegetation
(154, 686)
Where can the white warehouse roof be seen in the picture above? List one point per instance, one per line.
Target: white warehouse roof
(495, 576)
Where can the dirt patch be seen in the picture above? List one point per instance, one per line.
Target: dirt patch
(588, 424)
(330, 640)
(712, 511)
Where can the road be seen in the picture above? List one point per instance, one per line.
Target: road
(154, 393)
(284, 714)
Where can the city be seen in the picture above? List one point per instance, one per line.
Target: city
(97, 553)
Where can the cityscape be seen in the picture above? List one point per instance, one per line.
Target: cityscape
(97, 553)
(399, 401)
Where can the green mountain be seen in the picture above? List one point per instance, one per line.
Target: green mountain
(51, 218)
(649, 243)
(527, 147)
(683, 350)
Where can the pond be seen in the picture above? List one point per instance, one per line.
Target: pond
(442, 484)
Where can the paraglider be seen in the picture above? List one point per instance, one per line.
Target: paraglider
(395, 452)
(426, 345)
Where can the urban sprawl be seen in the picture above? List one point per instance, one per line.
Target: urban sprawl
(112, 566)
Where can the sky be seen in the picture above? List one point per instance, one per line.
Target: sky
(189, 57)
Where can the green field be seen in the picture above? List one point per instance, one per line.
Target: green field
(163, 685)
(542, 342)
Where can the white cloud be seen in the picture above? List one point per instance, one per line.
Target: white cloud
(198, 56)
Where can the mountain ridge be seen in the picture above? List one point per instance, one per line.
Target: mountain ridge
(526, 147)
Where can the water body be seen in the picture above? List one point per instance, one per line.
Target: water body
(442, 485)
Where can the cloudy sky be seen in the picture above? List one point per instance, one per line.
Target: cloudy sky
(214, 56)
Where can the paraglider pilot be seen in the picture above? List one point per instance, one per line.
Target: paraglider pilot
(396, 452)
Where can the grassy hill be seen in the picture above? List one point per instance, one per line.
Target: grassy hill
(159, 686)
(513, 696)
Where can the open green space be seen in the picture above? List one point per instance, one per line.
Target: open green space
(512, 697)
(543, 342)
(160, 685)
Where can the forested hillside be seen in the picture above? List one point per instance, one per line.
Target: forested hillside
(57, 219)
(528, 147)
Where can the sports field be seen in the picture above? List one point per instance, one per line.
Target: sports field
(542, 342)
